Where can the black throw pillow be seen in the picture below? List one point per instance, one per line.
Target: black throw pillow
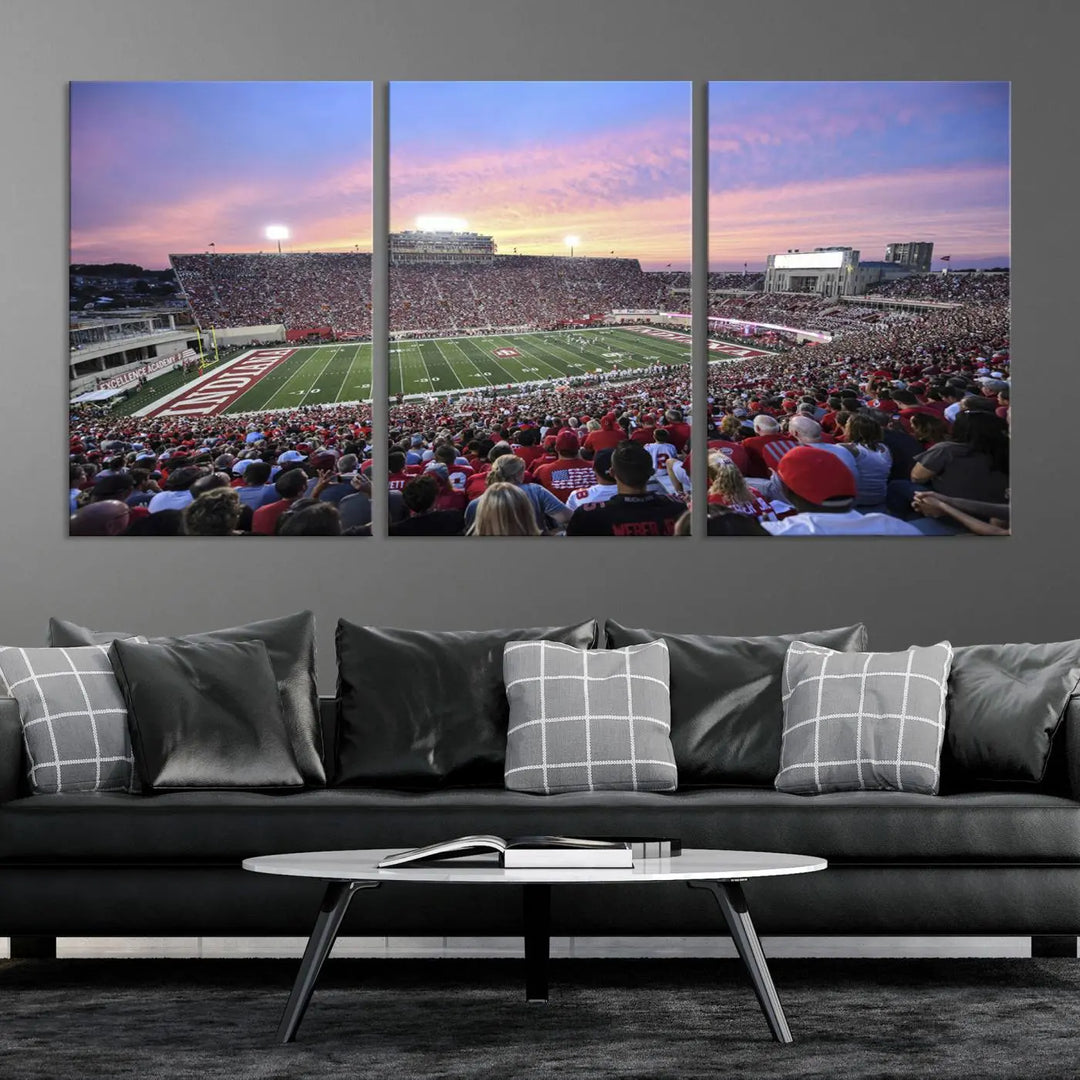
(290, 643)
(726, 710)
(204, 715)
(420, 709)
(1006, 703)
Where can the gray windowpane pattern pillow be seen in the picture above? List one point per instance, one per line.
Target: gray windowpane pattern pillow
(863, 721)
(74, 719)
(588, 719)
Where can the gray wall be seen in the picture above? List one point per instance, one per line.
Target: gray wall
(1023, 588)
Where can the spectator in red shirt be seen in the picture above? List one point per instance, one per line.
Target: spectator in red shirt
(828, 420)
(646, 431)
(398, 477)
(677, 428)
(909, 406)
(290, 486)
(735, 453)
(608, 437)
(477, 483)
(449, 497)
(766, 446)
(528, 447)
(885, 401)
(458, 475)
(568, 472)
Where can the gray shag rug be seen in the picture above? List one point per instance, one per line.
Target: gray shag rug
(209, 1019)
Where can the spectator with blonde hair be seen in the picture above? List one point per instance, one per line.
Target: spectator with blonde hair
(510, 469)
(504, 510)
(728, 490)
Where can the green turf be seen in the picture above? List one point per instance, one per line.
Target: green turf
(314, 375)
(326, 373)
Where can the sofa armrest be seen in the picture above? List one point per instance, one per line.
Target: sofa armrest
(1072, 743)
(11, 750)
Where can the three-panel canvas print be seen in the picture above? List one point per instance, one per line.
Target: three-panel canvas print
(537, 364)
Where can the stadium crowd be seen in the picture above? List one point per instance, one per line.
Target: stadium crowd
(306, 291)
(963, 287)
(898, 426)
(300, 290)
(533, 291)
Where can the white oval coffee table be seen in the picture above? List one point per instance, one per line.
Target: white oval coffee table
(720, 872)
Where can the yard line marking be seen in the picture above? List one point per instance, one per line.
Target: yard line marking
(315, 381)
(427, 370)
(313, 351)
(348, 372)
(477, 342)
(451, 370)
(468, 360)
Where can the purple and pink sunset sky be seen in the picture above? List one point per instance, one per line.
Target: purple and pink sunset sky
(859, 164)
(160, 168)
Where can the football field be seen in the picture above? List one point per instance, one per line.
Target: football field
(425, 367)
(286, 378)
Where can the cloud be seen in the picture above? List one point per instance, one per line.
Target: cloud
(627, 191)
(963, 210)
(325, 211)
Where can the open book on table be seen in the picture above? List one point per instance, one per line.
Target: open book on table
(524, 852)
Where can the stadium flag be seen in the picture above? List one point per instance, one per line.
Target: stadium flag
(945, 258)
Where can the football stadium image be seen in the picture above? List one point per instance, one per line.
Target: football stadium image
(539, 376)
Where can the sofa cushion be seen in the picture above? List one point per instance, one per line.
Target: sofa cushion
(588, 719)
(420, 709)
(63, 634)
(74, 721)
(1006, 703)
(205, 714)
(726, 713)
(872, 826)
(290, 643)
(863, 721)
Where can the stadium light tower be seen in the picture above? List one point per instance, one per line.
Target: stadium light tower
(571, 242)
(278, 233)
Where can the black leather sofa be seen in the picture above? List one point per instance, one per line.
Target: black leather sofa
(974, 862)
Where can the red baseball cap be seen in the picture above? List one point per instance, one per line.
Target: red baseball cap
(817, 476)
(567, 442)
